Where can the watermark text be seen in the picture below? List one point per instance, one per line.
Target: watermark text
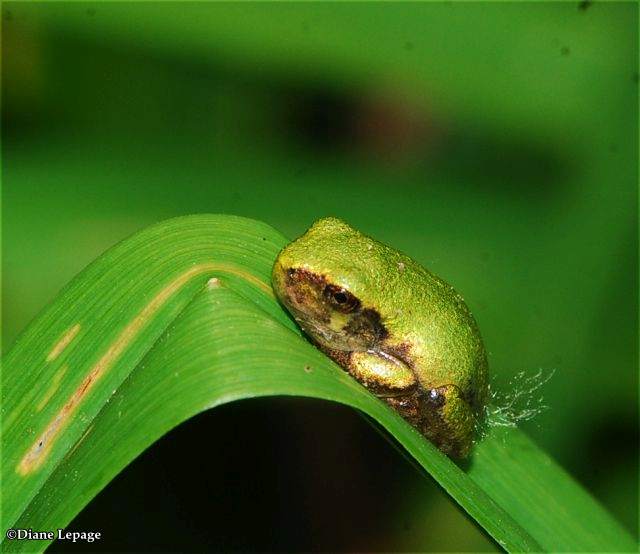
(59, 534)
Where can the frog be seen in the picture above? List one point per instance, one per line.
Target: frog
(402, 332)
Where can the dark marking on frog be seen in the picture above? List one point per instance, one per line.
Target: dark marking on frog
(298, 275)
(341, 357)
(340, 299)
(424, 410)
(585, 5)
(302, 290)
(434, 425)
(402, 352)
(408, 406)
(367, 324)
(474, 396)
(364, 323)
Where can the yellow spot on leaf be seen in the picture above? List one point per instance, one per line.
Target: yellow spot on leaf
(37, 453)
(63, 342)
(55, 383)
(213, 283)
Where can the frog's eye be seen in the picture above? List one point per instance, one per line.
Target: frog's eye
(341, 299)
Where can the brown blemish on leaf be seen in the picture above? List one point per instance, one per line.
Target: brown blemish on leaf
(37, 453)
(63, 342)
(55, 383)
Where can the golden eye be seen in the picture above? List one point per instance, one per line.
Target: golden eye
(341, 299)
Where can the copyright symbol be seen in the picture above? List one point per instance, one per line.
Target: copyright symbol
(11, 534)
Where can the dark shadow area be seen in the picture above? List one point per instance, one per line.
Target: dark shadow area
(266, 475)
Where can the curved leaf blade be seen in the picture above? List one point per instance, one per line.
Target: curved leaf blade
(176, 343)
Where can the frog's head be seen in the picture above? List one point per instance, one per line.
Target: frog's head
(323, 283)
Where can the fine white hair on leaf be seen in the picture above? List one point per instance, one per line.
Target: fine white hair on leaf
(520, 401)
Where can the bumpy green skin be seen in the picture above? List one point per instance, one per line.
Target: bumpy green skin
(401, 331)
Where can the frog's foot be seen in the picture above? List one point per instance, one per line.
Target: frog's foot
(447, 420)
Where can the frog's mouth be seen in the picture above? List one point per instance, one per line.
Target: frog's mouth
(329, 336)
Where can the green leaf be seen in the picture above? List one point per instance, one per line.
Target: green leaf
(180, 318)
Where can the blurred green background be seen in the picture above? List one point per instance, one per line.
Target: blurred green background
(496, 143)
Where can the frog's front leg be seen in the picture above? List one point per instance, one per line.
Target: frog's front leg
(385, 376)
(382, 374)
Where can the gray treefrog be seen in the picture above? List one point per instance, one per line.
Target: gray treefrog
(402, 332)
